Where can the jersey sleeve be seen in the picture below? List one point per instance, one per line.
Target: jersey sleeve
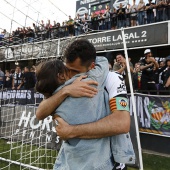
(115, 85)
(116, 89)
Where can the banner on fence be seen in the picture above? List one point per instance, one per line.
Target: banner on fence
(20, 97)
(135, 37)
(153, 111)
(153, 114)
(25, 127)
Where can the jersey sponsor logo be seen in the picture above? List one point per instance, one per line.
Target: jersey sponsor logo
(121, 88)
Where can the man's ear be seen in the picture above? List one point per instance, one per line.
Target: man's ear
(92, 65)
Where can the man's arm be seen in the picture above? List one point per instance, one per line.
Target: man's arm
(113, 124)
(116, 123)
(77, 89)
(13, 82)
(167, 84)
(145, 67)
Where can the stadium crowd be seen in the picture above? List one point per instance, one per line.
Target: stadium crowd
(132, 15)
(148, 75)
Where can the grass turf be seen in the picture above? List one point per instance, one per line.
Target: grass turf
(39, 157)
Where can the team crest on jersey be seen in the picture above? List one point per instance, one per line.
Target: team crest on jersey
(123, 102)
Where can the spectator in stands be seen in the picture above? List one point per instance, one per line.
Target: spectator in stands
(160, 7)
(17, 79)
(156, 77)
(86, 21)
(63, 30)
(128, 11)
(161, 69)
(54, 30)
(1, 78)
(101, 21)
(167, 10)
(8, 80)
(149, 11)
(141, 13)
(43, 30)
(166, 75)
(94, 22)
(121, 67)
(147, 67)
(1, 39)
(133, 16)
(6, 37)
(48, 28)
(22, 33)
(6, 34)
(107, 15)
(70, 24)
(114, 19)
(28, 79)
(30, 34)
(121, 16)
(16, 36)
(66, 29)
(137, 77)
(36, 30)
(58, 31)
(78, 25)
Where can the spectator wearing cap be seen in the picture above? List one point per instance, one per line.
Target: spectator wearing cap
(148, 65)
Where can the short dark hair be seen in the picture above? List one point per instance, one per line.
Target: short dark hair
(27, 67)
(46, 74)
(120, 54)
(82, 49)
